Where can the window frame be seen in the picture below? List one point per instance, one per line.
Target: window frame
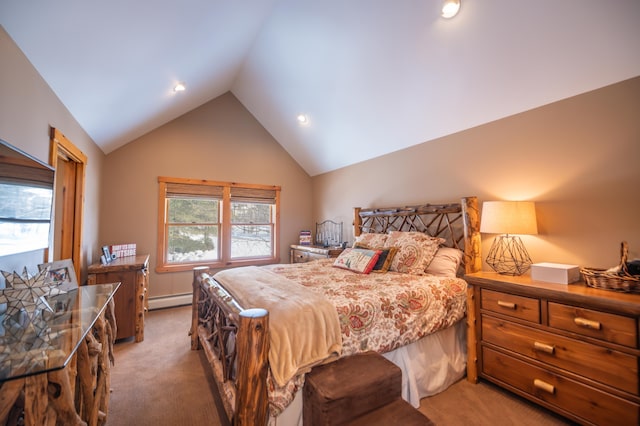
(270, 224)
(197, 186)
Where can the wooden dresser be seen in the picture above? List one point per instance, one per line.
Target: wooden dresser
(570, 348)
(131, 299)
(301, 254)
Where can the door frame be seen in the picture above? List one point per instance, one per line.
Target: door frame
(61, 146)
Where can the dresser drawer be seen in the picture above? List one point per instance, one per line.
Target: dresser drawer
(300, 256)
(600, 325)
(614, 368)
(584, 401)
(525, 308)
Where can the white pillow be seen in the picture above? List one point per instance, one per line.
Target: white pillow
(446, 262)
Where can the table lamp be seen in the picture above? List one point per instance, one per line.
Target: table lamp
(507, 255)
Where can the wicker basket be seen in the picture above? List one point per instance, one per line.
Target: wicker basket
(618, 281)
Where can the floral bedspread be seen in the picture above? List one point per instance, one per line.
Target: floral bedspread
(377, 312)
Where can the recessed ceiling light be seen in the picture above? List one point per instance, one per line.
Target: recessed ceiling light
(302, 119)
(450, 8)
(180, 87)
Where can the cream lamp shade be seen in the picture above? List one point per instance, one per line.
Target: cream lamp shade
(509, 217)
(508, 255)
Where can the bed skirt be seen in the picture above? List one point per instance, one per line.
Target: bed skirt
(429, 366)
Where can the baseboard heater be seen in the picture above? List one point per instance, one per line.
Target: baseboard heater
(170, 301)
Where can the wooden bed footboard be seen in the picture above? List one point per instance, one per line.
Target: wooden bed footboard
(236, 340)
(236, 343)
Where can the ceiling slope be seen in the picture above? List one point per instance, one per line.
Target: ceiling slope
(114, 64)
(377, 76)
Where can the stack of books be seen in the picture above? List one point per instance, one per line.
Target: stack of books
(305, 238)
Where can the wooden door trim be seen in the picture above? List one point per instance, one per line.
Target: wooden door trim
(60, 145)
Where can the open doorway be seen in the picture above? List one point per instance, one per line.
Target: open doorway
(70, 165)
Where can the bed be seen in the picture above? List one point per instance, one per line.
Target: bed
(259, 326)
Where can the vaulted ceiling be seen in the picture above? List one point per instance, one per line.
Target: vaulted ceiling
(372, 76)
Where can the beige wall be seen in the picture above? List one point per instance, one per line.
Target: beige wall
(218, 141)
(28, 107)
(577, 158)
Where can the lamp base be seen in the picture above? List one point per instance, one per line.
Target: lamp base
(508, 256)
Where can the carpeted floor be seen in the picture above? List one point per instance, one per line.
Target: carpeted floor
(482, 404)
(161, 381)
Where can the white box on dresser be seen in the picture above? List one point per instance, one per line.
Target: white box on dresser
(555, 272)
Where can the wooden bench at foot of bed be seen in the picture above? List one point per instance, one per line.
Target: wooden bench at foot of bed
(363, 389)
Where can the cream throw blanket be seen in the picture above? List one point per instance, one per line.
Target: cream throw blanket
(304, 327)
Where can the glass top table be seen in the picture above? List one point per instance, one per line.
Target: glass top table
(42, 339)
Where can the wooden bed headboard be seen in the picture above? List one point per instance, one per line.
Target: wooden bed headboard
(457, 223)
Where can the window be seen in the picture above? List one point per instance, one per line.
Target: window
(216, 224)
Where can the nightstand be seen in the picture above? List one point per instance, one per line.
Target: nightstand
(570, 348)
(302, 254)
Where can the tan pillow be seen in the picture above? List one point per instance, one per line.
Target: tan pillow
(415, 251)
(371, 240)
(446, 262)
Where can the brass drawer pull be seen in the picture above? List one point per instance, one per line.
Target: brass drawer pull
(543, 347)
(542, 385)
(583, 322)
(508, 305)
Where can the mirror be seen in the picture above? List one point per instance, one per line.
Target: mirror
(26, 197)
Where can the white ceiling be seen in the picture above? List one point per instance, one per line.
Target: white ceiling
(373, 76)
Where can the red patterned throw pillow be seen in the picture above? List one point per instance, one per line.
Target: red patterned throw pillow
(357, 260)
(384, 260)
